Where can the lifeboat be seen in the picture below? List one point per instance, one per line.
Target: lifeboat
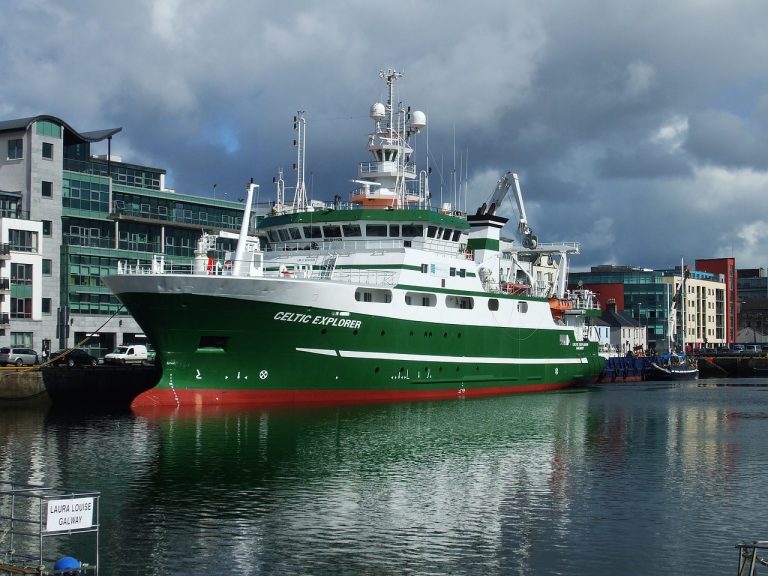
(558, 306)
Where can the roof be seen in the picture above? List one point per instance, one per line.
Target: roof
(24, 124)
(619, 319)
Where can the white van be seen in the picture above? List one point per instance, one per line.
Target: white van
(127, 354)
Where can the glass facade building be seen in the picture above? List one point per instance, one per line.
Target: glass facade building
(95, 211)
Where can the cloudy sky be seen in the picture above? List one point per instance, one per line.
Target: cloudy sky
(638, 128)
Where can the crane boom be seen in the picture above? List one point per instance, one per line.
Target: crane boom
(497, 197)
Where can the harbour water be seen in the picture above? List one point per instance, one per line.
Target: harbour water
(637, 478)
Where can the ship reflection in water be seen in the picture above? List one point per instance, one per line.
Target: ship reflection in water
(639, 478)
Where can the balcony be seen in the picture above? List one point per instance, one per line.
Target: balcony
(5, 320)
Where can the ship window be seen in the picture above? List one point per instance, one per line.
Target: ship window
(447, 234)
(462, 302)
(295, 233)
(424, 268)
(462, 272)
(273, 237)
(351, 230)
(564, 340)
(452, 272)
(312, 232)
(522, 307)
(431, 230)
(283, 234)
(420, 299)
(373, 295)
(456, 235)
(332, 231)
(394, 230)
(493, 304)
(377, 230)
(413, 230)
(213, 342)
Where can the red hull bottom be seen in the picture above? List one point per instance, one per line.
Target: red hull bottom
(217, 397)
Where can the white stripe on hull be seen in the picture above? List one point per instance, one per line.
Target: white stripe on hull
(436, 358)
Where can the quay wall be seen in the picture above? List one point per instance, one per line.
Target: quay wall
(19, 385)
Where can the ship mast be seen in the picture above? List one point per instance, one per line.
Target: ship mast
(385, 180)
(300, 126)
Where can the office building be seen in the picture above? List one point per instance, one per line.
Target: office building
(67, 217)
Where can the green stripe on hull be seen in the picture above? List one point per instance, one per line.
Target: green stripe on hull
(236, 344)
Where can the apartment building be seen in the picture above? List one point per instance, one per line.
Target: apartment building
(67, 217)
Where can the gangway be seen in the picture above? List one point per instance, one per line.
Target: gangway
(41, 525)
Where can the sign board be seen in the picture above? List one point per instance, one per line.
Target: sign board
(70, 514)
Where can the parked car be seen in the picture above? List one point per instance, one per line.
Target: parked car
(127, 354)
(18, 356)
(74, 357)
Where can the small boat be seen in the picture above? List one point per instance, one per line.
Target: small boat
(674, 366)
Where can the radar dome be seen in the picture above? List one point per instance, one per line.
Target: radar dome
(378, 111)
(418, 120)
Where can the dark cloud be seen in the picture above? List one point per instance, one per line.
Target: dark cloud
(724, 139)
(633, 126)
(644, 162)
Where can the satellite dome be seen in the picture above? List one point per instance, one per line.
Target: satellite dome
(377, 111)
(418, 119)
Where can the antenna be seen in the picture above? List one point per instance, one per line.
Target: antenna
(300, 127)
(280, 190)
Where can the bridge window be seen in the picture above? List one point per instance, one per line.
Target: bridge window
(376, 230)
(351, 230)
(413, 230)
(332, 231)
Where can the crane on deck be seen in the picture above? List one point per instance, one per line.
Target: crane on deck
(530, 240)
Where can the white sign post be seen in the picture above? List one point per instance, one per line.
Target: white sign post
(71, 514)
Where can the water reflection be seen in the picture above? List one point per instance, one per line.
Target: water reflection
(598, 480)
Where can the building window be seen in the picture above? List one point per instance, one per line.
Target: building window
(15, 149)
(22, 240)
(21, 274)
(46, 305)
(47, 265)
(48, 128)
(48, 150)
(47, 189)
(21, 339)
(46, 227)
(21, 307)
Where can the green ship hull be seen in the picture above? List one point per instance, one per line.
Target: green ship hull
(218, 349)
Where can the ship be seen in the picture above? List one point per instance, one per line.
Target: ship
(381, 297)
